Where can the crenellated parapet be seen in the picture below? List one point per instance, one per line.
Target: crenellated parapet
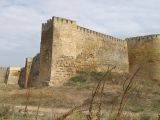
(50, 22)
(47, 25)
(88, 31)
(63, 20)
(146, 37)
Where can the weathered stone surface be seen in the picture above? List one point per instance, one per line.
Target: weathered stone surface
(3, 74)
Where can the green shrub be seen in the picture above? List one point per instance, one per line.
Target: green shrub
(81, 78)
(96, 75)
(75, 116)
(78, 78)
(136, 109)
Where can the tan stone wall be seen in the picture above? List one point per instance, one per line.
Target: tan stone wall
(29, 75)
(13, 75)
(142, 48)
(34, 72)
(21, 80)
(95, 51)
(3, 73)
(63, 51)
(46, 51)
(67, 48)
(28, 66)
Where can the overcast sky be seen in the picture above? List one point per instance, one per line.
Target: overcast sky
(20, 21)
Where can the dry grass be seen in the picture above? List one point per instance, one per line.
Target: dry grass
(142, 100)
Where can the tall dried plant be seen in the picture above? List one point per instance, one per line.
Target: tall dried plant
(127, 87)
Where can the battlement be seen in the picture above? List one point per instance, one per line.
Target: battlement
(143, 37)
(88, 31)
(49, 23)
(63, 20)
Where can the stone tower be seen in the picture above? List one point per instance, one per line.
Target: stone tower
(145, 49)
(57, 52)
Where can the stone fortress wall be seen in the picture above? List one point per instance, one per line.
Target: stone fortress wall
(67, 48)
(145, 49)
(30, 73)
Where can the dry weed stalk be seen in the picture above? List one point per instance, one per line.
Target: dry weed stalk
(28, 95)
(36, 117)
(64, 116)
(95, 91)
(27, 102)
(126, 89)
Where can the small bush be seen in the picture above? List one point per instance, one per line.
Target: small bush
(80, 77)
(75, 116)
(96, 75)
(136, 109)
